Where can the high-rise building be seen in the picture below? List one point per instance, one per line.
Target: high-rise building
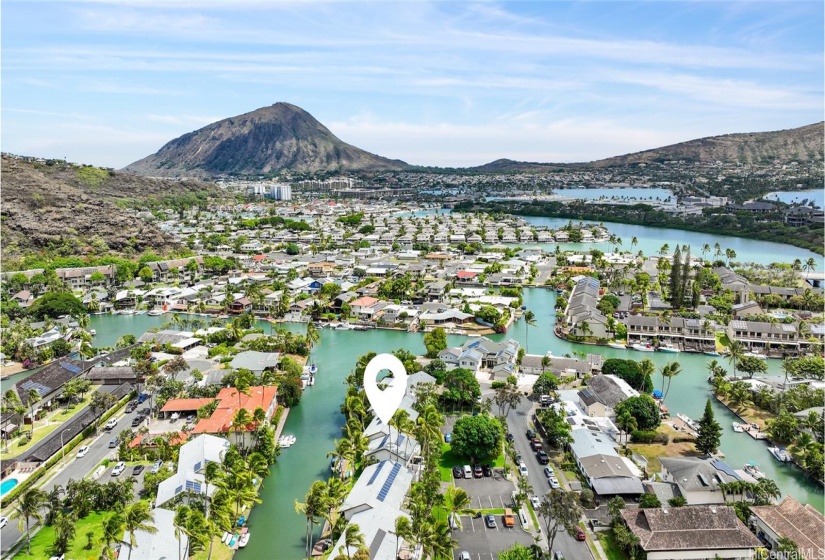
(281, 192)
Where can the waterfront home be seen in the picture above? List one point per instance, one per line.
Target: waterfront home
(24, 298)
(81, 278)
(612, 475)
(582, 309)
(230, 400)
(803, 525)
(479, 354)
(256, 362)
(165, 542)
(189, 478)
(46, 338)
(364, 307)
(48, 383)
(763, 336)
(698, 479)
(603, 393)
(691, 532)
(162, 271)
(184, 340)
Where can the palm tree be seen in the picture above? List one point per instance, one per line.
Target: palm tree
(240, 421)
(809, 266)
(179, 522)
(312, 507)
(647, 368)
(353, 539)
(403, 530)
(435, 539)
(137, 517)
(705, 250)
(529, 321)
(736, 350)
(458, 503)
(28, 508)
(213, 474)
(674, 369)
(627, 423)
(312, 336)
(112, 530)
(33, 396)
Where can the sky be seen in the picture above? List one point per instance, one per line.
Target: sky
(460, 83)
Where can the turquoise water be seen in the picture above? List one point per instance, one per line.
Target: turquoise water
(790, 197)
(629, 193)
(7, 485)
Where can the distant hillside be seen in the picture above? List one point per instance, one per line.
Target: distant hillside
(281, 136)
(797, 144)
(783, 146)
(72, 210)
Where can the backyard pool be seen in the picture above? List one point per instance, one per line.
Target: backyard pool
(7, 485)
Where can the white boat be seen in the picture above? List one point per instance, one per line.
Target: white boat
(643, 347)
(473, 335)
(780, 454)
(689, 421)
(671, 349)
(287, 441)
(343, 327)
(127, 312)
(243, 540)
(753, 470)
(738, 428)
(754, 355)
(617, 345)
(226, 536)
(92, 332)
(155, 312)
(313, 369)
(714, 353)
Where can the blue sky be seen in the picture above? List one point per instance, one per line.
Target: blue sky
(108, 82)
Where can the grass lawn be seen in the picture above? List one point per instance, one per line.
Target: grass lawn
(653, 451)
(751, 414)
(219, 551)
(449, 460)
(44, 539)
(611, 549)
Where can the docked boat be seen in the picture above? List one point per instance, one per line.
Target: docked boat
(225, 538)
(286, 441)
(671, 349)
(92, 332)
(617, 345)
(754, 355)
(780, 454)
(244, 540)
(754, 470)
(313, 369)
(643, 347)
(691, 423)
(714, 353)
(343, 327)
(738, 428)
(155, 312)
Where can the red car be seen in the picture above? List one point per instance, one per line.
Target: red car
(580, 536)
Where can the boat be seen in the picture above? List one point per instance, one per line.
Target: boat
(313, 369)
(780, 454)
(617, 345)
(714, 353)
(738, 428)
(474, 335)
(343, 327)
(286, 441)
(127, 312)
(141, 312)
(754, 355)
(753, 470)
(689, 421)
(92, 332)
(155, 312)
(232, 541)
(643, 347)
(242, 542)
(671, 349)
(226, 536)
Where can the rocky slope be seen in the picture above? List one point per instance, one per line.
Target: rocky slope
(72, 210)
(281, 136)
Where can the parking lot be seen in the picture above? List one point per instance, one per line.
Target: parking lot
(484, 543)
(489, 492)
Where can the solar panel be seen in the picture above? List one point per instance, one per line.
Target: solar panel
(198, 466)
(178, 490)
(193, 486)
(376, 473)
(388, 483)
(70, 367)
(40, 388)
(400, 439)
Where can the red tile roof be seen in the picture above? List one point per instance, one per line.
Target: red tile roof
(230, 401)
(466, 274)
(365, 301)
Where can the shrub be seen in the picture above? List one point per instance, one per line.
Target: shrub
(498, 384)
(643, 436)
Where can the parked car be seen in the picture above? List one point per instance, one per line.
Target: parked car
(536, 445)
(522, 469)
(488, 470)
(542, 457)
(468, 472)
(490, 520)
(554, 483)
(580, 536)
(111, 424)
(548, 472)
(464, 555)
(519, 458)
(509, 437)
(535, 501)
(82, 451)
(458, 472)
(137, 421)
(119, 468)
(137, 470)
(142, 397)
(557, 555)
(156, 466)
(175, 416)
(448, 437)
(131, 407)
(3, 521)
(478, 472)
(112, 443)
(530, 434)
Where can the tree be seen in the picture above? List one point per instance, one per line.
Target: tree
(649, 501)
(710, 432)
(529, 321)
(353, 539)
(516, 552)
(736, 351)
(627, 423)
(460, 387)
(783, 429)
(137, 517)
(146, 274)
(312, 508)
(56, 305)
(752, 365)
(559, 509)
(64, 531)
(28, 509)
(635, 374)
(669, 371)
(545, 384)
(643, 408)
(458, 503)
(556, 427)
(507, 397)
(435, 341)
(477, 437)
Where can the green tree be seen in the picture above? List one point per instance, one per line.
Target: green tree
(559, 510)
(137, 517)
(545, 384)
(556, 427)
(27, 510)
(56, 305)
(435, 341)
(460, 387)
(517, 552)
(146, 274)
(649, 501)
(710, 432)
(784, 428)
(507, 397)
(643, 408)
(752, 365)
(529, 321)
(477, 437)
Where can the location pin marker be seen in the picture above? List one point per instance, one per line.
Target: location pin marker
(385, 402)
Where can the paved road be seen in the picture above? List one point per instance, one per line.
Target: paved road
(75, 469)
(518, 420)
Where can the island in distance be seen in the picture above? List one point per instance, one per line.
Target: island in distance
(284, 137)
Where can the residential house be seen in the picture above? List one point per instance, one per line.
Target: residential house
(612, 475)
(803, 525)
(603, 393)
(763, 336)
(230, 400)
(189, 477)
(698, 479)
(165, 542)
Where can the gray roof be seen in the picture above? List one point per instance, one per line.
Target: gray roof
(254, 361)
(692, 473)
(617, 485)
(606, 390)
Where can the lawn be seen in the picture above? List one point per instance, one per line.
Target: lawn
(653, 451)
(219, 551)
(611, 549)
(750, 414)
(44, 539)
(449, 460)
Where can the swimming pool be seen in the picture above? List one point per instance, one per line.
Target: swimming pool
(7, 485)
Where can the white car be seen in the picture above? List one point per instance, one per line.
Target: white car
(82, 451)
(554, 483)
(522, 469)
(3, 521)
(535, 501)
(119, 468)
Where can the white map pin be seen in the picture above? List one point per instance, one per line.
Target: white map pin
(385, 402)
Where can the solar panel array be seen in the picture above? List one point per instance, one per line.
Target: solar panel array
(39, 387)
(377, 472)
(388, 483)
(70, 367)
(400, 439)
(193, 486)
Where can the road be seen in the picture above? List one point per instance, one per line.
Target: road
(75, 469)
(518, 420)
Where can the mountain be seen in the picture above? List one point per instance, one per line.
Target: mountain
(58, 208)
(784, 146)
(270, 139)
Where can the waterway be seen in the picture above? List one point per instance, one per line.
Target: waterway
(796, 197)
(626, 194)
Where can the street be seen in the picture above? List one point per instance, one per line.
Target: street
(76, 469)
